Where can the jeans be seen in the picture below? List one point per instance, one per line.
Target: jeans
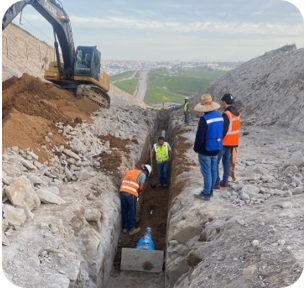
(225, 154)
(128, 210)
(209, 171)
(162, 169)
(186, 118)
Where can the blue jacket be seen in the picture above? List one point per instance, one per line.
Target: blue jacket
(209, 135)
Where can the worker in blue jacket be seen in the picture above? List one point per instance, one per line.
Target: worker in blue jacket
(208, 143)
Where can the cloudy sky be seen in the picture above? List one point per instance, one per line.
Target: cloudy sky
(212, 30)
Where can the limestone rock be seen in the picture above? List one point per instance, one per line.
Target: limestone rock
(184, 233)
(298, 190)
(250, 270)
(5, 241)
(71, 154)
(35, 180)
(83, 175)
(296, 159)
(48, 197)
(7, 180)
(27, 164)
(92, 214)
(250, 189)
(33, 155)
(290, 170)
(30, 216)
(192, 259)
(52, 189)
(21, 193)
(15, 216)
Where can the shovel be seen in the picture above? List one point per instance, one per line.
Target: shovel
(153, 184)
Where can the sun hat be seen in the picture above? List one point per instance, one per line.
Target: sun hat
(228, 98)
(206, 104)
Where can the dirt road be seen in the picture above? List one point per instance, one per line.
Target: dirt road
(142, 85)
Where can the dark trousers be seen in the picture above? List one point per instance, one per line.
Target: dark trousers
(128, 210)
(162, 169)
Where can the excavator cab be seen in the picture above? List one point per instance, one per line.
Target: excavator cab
(87, 62)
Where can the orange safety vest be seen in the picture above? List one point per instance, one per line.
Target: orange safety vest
(129, 183)
(232, 136)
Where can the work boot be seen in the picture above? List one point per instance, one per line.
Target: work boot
(202, 197)
(217, 187)
(134, 231)
(211, 194)
(224, 185)
(125, 231)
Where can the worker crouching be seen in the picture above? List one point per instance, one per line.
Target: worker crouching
(131, 185)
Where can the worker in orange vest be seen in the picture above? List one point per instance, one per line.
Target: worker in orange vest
(231, 117)
(131, 185)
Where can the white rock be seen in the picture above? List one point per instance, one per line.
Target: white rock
(21, 193)
(285, 205)
(298, 190)
(244, 196)
(92, 214)
(296, 159)
(250, 189)
(255, 243)
(15, 216)
(30, 216)
(5, 241)
(33, 155)
(83, 175)
(27, 164)
(48, 197)
(290, 170)
(35, 180)
(267, 178)
(52, 189)
(71, 154)
(7, 180)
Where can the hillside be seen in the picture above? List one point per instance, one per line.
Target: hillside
(269, 89)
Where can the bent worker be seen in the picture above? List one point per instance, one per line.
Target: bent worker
(208, 143)
(163, 153)
(186, 110)
(231, 118)
(131, 185)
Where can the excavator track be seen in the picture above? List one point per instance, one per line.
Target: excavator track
(94, 93)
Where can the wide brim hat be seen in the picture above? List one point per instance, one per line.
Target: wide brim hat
(206, 104)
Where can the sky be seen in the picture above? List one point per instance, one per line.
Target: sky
(161, 30)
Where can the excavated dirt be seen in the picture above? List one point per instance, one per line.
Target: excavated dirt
(115, 142)
(31, 108)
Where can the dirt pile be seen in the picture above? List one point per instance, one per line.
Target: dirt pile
(31, 108)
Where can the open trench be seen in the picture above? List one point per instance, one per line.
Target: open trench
(152, 211)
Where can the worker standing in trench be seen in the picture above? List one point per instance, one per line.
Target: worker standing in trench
(163, 153)
(186, 110)
(131, 185)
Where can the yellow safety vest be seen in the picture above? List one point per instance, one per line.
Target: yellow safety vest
(161, 154)
(185, 107)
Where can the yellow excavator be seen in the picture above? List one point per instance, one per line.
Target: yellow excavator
(80, 70)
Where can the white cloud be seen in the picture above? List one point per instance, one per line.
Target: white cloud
(195, 26)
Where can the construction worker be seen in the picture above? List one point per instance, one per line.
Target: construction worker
(231, 118)
(186, 110)
(131, 185)
(163, 153)
(208, 143)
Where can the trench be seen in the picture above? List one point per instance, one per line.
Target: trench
(152, 211)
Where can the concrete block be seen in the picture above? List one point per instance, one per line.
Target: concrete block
(142, 260)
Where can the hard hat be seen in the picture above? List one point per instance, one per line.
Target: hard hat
(147, 168)
(186, 98)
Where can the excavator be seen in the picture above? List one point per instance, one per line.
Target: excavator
(80, 70)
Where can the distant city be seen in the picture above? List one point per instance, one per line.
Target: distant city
(114, 67)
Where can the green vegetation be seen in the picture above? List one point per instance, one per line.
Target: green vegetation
(128, 86)
(173, 86)
(122, 76)
(156, 94)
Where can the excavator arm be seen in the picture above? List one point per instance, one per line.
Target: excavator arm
(53, 12)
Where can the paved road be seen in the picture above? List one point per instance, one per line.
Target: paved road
(142, 85)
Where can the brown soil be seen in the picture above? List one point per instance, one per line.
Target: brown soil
(119, 143)
(31, 107)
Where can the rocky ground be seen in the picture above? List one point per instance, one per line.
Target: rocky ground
(63, 160)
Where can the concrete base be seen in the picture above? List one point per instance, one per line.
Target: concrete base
(142, 260)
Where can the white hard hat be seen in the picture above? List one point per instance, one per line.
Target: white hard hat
(186, 98)
(147, 168)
